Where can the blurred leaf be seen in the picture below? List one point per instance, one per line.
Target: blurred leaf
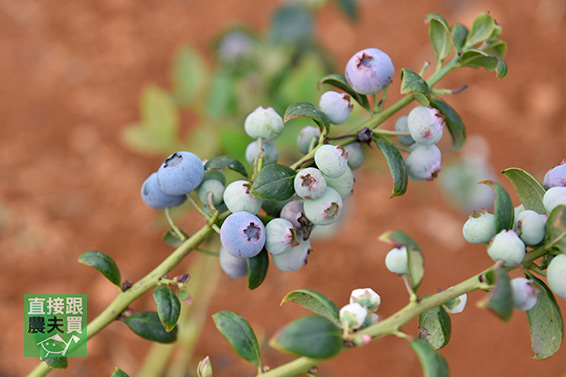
(459, 34)
(171, 238)
(545, 322)
(439, 33)
(482, 29)
(257, 269)
(528, 188)
(148, 326)
(189, 74)
(349, 8)
(432, 362)
(487, 60)
(412, 83)
(222, 100)
(103, 263)
(234, 142)
(339, 81)
(119, 373)
(291, 24)
(307, 110)
(274, 182)
(556, 229)
(503, 206)
(500, 299)
(315, 302)
(396, 165)
(227, 162)
(435, 327)
(453, 121)
(239, 334)
(498, 47)
(56, 362)
(415, 258)
(299, 83)
(168, 306)
(312, 336)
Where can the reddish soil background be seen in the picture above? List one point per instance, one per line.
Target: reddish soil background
(72, 73)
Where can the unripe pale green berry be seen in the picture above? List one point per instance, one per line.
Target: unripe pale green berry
(456, 305)
(264, 123)
(508, 247)
(237, 197)
(356, 155)
(354, 314)
(525, 293)
(531, 227)
(401, 125)
(371, 319)
(336, 106)
(554, 197)
(424, 162)
(214, 174)
(331, 160)
(344, 184)
(426, 125)
(309, 183)
(270, 152)
(324, 210)
(556, 275)
(397, 260)
(479, 228)
(306, 137)
(517, 210)
(280, 236)
(556, 177)
(293, 259)
(366, 297)
(216, 188)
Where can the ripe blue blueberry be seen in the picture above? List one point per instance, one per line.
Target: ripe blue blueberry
(336, 106)
(294, 258)
(180, 174)
(554, 197)
(270, 152)
(354, 315)
(280, 236)
(556, 275)
(237, 197)
(525, 293)
(215, 188)
(235, 267)
(556, 177)
(401, 125)
(531, 227)
(369, 71)
(426, 125)
(309, 183)
(479, 228)
(344, 184)
(397, 260)
(324, 210)
(356, 155)
(242, 235)
(155, 198)
(507, 247)
(424, 162)
(264, 123)
(331, 160)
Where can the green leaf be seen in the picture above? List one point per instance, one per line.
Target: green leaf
(222, 100)
(171, 238)
(339, 81)
(453, 121)
(498, 47)
(189, 75)
(119, 373)
(168, 306)
(349, 8)
(274, 182)
(148, 326)
(556, 229)
(432, 362)
(103, 263)
(257, 269)
(312, 336)
(415, 261)
(227, 162)
(307, 110)
(490, 61)
(439, 33)
(435, 327)
(239, 334)
(55, 362)
(504, 210)
(396, 165)
(500, 299)
(545, 322)
(412, 83)
(482, 29)
(528, 188)
(291, 24)
(459, 34)
(299, 83)
(315, 302)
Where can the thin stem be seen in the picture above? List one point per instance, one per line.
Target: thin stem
(178, 232)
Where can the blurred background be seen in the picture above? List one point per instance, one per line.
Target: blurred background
(72, 160)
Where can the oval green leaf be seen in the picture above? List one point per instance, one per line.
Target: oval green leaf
(396, 166)
(500, 299)
(504, 210)
(103, 263)
(439, 34)
(189, 75)
(315, 302)
(556, 229)
(239, 334)
(291, 23)
(312, 336)
(435, 327)
(307, 110)
(487, 60)
(274, 182)
(148, 326)
(545, 322)
(227, 162)
(482, 29)
(432, 362)
(168, 306)
(415, 261)
(56, 362)
(413, 84)
(119, 373)
(339, 81)
(257, 269)
(453, 121)
(528, 188)
(459, 34)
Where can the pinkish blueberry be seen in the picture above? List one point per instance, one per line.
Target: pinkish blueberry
(369, 71)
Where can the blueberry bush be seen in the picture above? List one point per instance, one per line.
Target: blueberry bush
(260, 210)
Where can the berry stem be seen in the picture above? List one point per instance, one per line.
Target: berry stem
(175, 228)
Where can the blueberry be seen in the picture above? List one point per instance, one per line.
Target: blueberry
(234, 267)
(294, 258)
(309, 183)
(180, 174)
(531, 227)
(369, 71)
(356, 155)
(344, 184)
(525, 293)
(556, 177)
(401, 125)
(426, 125)
(366, 297)
(293, 211)
(264, 123)
(479, 228)
(556, 275)
(331, 160)
(324, 210)
(213, 186)
(214, 174)
(270, 152)
(237, 198)
(353, 314)
(308, 135)
(397, 260)
(456, 305)
(508, 247)
(242, 234)
(235, 46)
(336, 106)
(280, 236)
(424, 162)
(554, 197)
(155, 198)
